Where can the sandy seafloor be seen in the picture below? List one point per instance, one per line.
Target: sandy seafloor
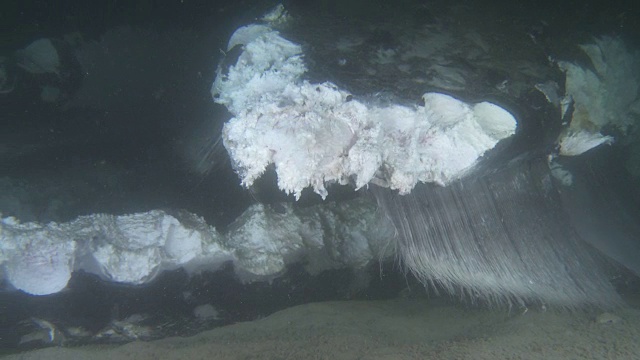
(394, 329)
